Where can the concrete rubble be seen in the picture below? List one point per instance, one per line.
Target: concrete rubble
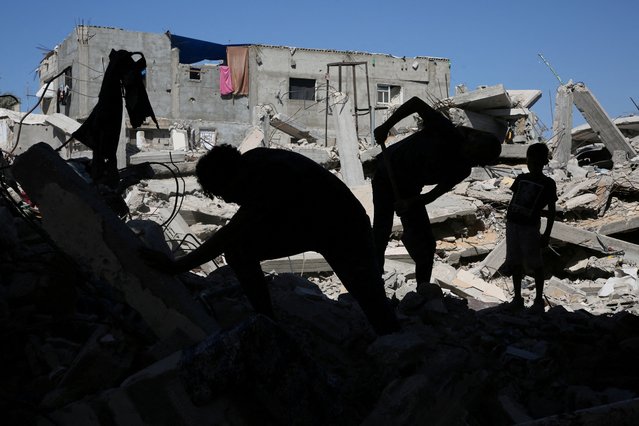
(91, 335)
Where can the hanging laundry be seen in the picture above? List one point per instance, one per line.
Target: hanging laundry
(226, 81)
(237, 58)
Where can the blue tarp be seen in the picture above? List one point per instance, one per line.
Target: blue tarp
(192, 50)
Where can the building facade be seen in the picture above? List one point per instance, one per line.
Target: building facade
(186, 80)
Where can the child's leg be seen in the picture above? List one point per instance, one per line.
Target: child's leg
(518, 274)
(539, 285)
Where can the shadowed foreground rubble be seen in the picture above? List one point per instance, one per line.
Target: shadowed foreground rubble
(73, 353)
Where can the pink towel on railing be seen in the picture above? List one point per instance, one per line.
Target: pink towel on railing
(226, 81)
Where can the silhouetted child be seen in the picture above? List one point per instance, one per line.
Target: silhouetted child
(439, 154)
(288, 204)
(532, 192)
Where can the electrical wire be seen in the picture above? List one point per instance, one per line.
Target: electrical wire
(174, 212)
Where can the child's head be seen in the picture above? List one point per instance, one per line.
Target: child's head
(537, 157)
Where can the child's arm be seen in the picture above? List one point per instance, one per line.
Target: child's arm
(550, 220)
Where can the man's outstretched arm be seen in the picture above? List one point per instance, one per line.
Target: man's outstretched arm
(411, 106)
(210, 249)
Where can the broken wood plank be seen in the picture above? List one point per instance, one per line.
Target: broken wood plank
(291, 127)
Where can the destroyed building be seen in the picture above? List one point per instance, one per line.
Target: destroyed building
(219, 91)
(92, 335)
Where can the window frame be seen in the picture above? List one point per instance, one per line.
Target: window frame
(306, 94)
(195, 71)
(389, 93)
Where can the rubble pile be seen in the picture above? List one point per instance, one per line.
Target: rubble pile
(93, 335)
(77, 352)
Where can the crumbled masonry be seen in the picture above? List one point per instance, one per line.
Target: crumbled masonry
(93, 336)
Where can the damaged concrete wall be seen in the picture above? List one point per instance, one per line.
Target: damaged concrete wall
(272, 67)
(174, 94)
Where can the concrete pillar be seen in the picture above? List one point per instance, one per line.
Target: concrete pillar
(266, 126)
(86, 229)
(347, 143)
(595, 115)
(82, 70)
(562, 126)
(175, 83)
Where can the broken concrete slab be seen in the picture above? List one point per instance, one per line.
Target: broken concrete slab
(595, 115)
(289, 126)
(306, 262)
(465, 279)
(523, 98)
(83, 226)
(489, 97)
(568, 234)
(35, 128)
(254, 139)
(179, 139)
(62, 122)
(629, 126)
(513, 151)
(158, 157)
(477, 121)
(619, 226)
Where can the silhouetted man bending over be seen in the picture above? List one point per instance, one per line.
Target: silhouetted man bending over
(439, 154)
(289, 204)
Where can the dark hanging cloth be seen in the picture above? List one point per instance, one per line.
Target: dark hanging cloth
(101, 130)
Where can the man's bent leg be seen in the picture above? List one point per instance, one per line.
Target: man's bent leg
(357, 271)
(419, 241)
(383, 203)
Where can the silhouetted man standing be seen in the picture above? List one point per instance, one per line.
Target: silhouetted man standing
(288, 204)
(439, 154)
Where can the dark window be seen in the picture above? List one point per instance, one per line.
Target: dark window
(195, 73)
(301, 88)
